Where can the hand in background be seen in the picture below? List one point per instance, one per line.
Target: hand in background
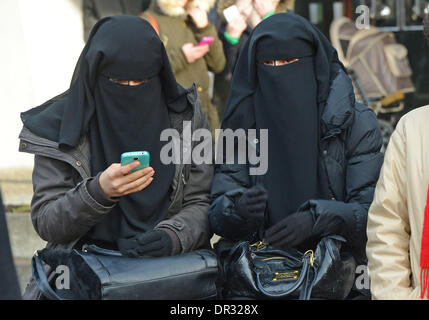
(117, 181)
(153, 243)
(252, 203)
(236, 27)
(291, 231)
(263, 7)
(193, 53)
(199, 16)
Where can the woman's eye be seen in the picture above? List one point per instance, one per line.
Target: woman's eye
(123, 82)
(137, 82)
(269, 62)
(277, 63)
(283, 62)
(129, 82)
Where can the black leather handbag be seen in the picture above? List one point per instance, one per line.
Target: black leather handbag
(102, 274)
(259, 271)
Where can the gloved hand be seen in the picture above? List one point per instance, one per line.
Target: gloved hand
(291, 231)
(252, 203)
(153, 243)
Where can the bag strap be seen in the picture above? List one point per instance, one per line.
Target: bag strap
(152, 21)
(41, 280)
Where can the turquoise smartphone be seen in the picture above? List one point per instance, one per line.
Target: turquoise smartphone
(141, 156)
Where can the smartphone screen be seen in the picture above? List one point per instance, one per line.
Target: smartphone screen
(206, 40)
(231, 13)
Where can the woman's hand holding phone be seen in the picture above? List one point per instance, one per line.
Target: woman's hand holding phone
(237, 26)
(192, 53)
(117, 181)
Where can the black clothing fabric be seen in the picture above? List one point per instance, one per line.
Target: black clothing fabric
(9, 288)
(286, 100)
(95, 10)
(118, 118)
(252, 204)
(291, 231)
(154, 243)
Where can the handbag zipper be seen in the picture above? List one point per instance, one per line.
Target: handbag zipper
(274, 258)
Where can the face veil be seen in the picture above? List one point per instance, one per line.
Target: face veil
(118, 118)
(288, 101)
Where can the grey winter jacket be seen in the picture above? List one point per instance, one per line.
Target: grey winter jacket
(63, 211)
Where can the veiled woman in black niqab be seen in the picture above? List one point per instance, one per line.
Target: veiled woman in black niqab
(118, 118)
(323, 147)
(287, 100)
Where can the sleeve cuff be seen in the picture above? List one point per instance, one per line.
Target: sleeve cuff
(95, 191)
(268, 15)
(177, 247)
(230, 39)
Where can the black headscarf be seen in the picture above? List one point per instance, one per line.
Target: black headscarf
(118, 118)
(287, 100)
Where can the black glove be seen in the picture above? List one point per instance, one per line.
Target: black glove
(291, 231)
(153, 243)
(252, 203)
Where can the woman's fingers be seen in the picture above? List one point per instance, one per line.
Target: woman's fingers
(200, 51)
(282, 237)
(117, 180)
(135, 176)
(124, 170)
(135, 184)
(144, 184)
(279, 226)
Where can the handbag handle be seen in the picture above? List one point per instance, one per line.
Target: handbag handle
(41, 280)
(305, 293)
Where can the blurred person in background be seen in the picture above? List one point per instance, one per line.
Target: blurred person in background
(181, 25)
(9, 286)
(94, 10)
(234, 34)
(398, 220)
(122, 96)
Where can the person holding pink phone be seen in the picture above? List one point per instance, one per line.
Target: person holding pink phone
(192, 45)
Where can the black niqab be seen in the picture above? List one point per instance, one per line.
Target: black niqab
(118, 118)
(287, 100)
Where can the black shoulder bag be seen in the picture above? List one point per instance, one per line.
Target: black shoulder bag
(101, 274)
(259, 271)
